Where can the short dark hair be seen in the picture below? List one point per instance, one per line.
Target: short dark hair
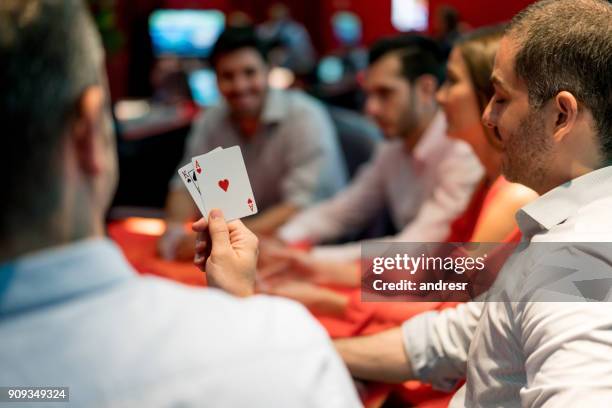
(566, 45)
(235, 38)
(418, 55)
(49, 54)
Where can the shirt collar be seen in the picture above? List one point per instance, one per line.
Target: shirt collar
(56, 274)
(562, 202)
(430, 140)
(275, 107)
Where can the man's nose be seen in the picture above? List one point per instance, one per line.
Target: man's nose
(487, 115)
(441, 94)
(371, 107)
(240, 84)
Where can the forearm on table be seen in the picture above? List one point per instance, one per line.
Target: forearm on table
(378, 357)
(329, 302)
(339, 273)
(348, 211)
(267, 222)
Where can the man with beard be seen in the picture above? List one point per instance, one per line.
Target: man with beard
(288, 142)
(423, 178)
(532, 343)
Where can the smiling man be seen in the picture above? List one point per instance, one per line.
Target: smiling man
(553, 114)
(288, 142)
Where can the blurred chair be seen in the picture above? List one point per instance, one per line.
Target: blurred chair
(145, 168)
(358, 137)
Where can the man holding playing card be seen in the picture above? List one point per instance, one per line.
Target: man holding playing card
(288, 142)
(73, 312)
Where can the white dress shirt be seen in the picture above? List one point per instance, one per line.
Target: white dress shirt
(532, 353)
(79, 316)
(424, 191)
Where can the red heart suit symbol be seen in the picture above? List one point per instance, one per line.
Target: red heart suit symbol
(224, 184)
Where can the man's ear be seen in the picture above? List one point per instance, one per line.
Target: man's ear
(565, 109)
(86, 128)
(427, 86)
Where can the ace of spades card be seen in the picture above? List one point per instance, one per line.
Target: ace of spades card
(224, 184)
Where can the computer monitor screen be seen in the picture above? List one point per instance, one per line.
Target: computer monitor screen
(203, 85)
(185, 33)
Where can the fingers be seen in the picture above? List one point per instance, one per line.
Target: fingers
(274, 269)
(218, 230)
(202, 252)
(238, 229)
(202, 243)
(238, 226)
(200, 225)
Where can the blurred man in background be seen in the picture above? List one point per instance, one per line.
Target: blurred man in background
(294, 49)
(424, 178)
(289, 144)
(73, 312)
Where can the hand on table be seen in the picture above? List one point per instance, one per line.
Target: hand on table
(227, 252)
(294, 274)
(286, 263)
(268, 249)
(318, 299)
(176, 244)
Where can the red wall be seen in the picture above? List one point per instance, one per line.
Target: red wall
(314, 14)
(482, 12)
(376, 15)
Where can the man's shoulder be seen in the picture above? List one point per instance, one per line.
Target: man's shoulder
(456, 159)
(299, 103)
(197, 309)
(390, 149)
(591, 222)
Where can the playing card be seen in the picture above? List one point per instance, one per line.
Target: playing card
(190, 180)
(189, 175)
(224, 184)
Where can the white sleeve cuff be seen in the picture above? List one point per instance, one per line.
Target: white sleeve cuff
(418, 344)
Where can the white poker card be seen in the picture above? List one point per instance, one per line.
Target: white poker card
(190, 180)
(189, 175)
(224, 184)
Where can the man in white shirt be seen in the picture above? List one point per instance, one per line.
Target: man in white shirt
(73, 312)
(421, 176)
(535, 343)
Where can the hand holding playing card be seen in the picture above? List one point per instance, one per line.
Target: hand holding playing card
(219, 179)
(227, 252)
(224, 183)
